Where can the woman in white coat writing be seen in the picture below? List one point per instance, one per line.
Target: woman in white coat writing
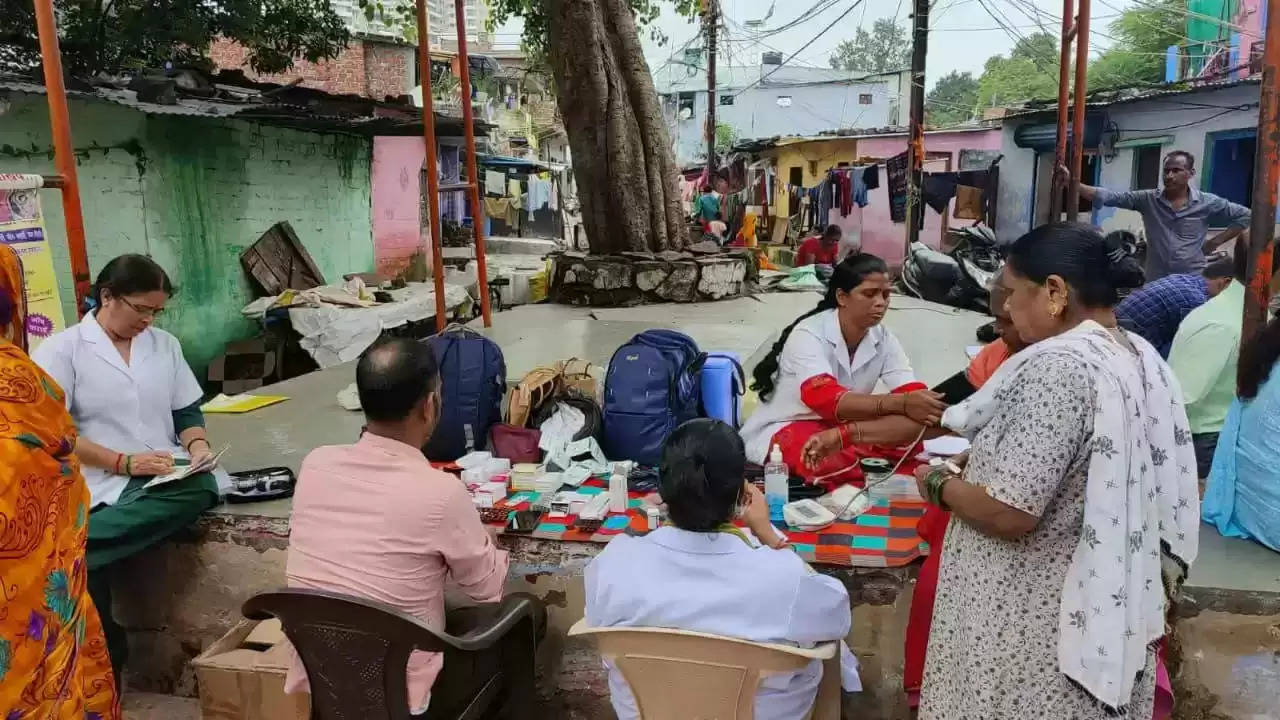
(136, 404)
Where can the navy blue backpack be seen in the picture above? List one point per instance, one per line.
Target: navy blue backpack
(473, 376)
(652, 386)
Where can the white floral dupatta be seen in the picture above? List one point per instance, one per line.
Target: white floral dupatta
(1141, 478)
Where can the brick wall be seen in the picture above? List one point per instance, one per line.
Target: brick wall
(366, 67)
(194, 193)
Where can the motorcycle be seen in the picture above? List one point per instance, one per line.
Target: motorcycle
(960, 278)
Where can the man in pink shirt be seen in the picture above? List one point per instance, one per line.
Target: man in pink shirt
(375, 520)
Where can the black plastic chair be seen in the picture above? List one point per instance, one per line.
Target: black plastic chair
(355, 652)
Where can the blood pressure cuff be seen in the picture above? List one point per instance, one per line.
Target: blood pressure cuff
(187, 418)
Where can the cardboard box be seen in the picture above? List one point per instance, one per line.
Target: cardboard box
(242, 675)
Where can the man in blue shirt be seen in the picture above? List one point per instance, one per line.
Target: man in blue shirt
(1176, 217)
(1156, 309)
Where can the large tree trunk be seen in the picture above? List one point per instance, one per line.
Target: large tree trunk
(622, 157)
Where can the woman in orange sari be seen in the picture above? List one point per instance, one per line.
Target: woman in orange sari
(53, 657)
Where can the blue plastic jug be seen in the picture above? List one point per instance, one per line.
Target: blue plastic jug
(723, 385)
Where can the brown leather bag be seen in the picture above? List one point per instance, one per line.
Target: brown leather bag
(536, 387)
(576, 375)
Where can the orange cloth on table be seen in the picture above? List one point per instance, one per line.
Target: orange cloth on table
(822, 394)
(985, 363)
(53, 655)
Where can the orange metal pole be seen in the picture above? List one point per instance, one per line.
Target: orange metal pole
(1064, 80)
(63, 151)
(433, 176)
(1077, 124)
(477, 210)
(1265, 176)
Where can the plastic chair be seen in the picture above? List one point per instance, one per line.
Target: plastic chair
(683, 674)
(356, 651)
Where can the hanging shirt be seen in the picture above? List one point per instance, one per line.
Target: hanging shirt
(125, 407)
(721, 584)
(817, 347)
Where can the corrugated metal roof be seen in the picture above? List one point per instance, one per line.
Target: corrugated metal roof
(676, 77)
(1132, 95)
(269, 105)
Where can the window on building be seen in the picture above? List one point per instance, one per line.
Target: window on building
(686, 108)
(1147, 163)
(795, 176)
(726, 99)
(864, 98)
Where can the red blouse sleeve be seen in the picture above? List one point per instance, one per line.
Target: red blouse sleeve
(822, 394)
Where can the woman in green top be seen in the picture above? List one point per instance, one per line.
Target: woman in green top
(707, 205)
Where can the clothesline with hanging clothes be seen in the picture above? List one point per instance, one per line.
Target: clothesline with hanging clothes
(841, 189)
(973, 190)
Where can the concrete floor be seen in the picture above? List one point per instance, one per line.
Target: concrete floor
(149, 706)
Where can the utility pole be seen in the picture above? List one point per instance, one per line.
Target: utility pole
(1064, 94)
(710, 18)
(915, 141)
(1265, 176)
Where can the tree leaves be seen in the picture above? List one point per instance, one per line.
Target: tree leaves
(953, 100)
(109, 35)
(885, 49)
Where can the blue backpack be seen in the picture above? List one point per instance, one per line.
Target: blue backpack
(652, 386)
(473, 376)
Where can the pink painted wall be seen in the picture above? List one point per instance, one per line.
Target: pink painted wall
(397, 223)
(880, 235)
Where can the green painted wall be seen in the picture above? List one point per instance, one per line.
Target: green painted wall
(193, 193)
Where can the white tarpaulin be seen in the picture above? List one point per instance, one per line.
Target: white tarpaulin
(334, 335)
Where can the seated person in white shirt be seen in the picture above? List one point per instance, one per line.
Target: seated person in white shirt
(701, 573)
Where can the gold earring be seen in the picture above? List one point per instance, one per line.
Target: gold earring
(1055, 309)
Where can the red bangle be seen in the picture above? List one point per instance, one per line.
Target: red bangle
(115, 470)
(845, 440)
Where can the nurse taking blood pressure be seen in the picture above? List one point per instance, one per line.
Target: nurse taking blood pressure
(136, 405)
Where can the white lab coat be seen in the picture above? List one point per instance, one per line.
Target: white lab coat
(717, 583)
(125, 407)
(816, 347)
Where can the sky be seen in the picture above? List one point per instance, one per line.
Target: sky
(963, 32)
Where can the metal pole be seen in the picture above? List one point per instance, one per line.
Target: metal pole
(710, 18)
(433, 177)
(477, 210)
(1077, 122)
(1266, 174)
(1064, 87)
(64, 158)
(915, 140)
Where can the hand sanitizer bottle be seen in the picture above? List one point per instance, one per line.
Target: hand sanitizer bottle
(776, 476)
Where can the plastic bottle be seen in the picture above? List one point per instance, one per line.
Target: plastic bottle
(617, 493)
(776, 476)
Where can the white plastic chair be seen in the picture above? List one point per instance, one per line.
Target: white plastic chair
(683, 674)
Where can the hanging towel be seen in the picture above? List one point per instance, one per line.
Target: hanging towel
(494, 183)
(968, 203)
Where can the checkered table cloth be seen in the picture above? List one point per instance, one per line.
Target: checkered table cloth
(884, 536)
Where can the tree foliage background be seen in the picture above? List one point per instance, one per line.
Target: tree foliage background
(952, 101)
(885, 49)
(109, 35)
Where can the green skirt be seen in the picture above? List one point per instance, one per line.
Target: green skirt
(144, 517)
